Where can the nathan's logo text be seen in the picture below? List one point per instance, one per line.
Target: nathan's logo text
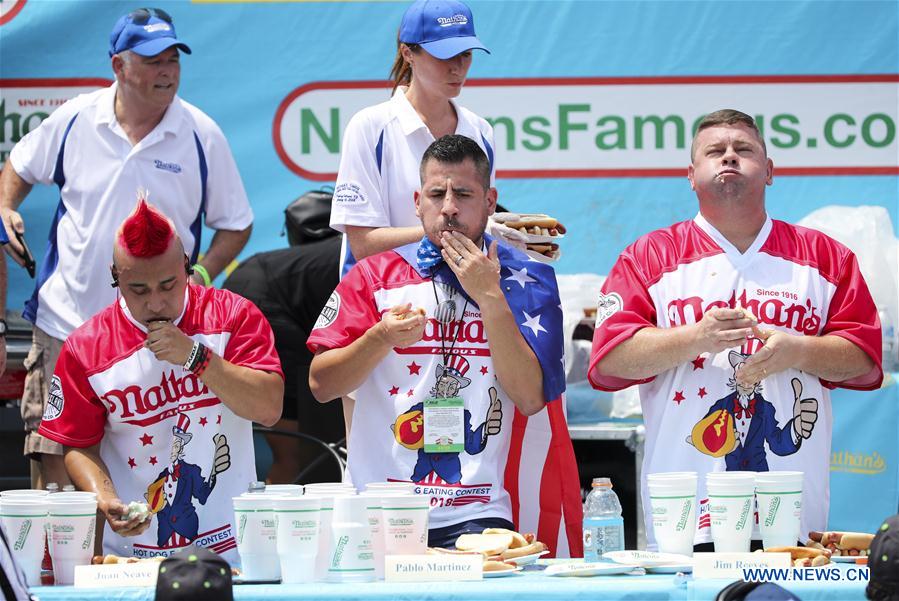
(801, 317)
(134, 400)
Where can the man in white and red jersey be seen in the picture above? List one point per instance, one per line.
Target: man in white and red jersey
(736, 326)
(452, 342)
(151, 396)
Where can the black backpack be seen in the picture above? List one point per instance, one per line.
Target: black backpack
(306, 219)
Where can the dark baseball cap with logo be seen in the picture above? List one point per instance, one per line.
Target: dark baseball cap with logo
(145, 31)
(444, 28)
(194, 574)
(883, 562)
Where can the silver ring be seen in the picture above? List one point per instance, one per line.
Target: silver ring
(458, 260)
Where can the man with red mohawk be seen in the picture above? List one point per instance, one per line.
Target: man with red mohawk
(151, 394)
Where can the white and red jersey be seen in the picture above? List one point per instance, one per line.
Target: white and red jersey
(109, 388)
(793, 279)
(386, 438)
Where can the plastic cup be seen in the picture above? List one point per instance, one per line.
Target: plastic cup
(375, 521)
(731, 510)
(391, 487)
(23, 492)
(324, 539)
(72, 519)
(329, 486)
(257, 538)
(298, 520)
(405, 523)
(24, 518)
(295, 490)
(351, 558)
(779, 496)
(672, 496)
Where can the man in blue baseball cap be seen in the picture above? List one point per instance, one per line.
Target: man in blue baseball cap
(99, 148)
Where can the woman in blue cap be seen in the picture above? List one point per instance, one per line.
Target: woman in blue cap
(383, 144)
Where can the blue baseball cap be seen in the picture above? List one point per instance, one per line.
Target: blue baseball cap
(444, 28)
(145, 31)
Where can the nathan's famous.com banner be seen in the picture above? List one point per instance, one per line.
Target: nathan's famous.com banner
(623, 127)
(25, 103)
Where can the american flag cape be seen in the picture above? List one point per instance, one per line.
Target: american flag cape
(541, 471)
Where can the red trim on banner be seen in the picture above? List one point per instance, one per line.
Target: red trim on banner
(11, 13)
(596, 81)
(55, 82)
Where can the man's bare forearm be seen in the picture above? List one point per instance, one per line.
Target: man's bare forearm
(339, 371)
(250, 393)
(832, 358)
(13, 189)
(649, 352)
(89, 472)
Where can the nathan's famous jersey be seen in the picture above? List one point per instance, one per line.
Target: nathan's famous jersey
(160, 428)
(794, 280)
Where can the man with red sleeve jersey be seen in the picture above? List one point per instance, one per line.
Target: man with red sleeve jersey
(151, 395)
(736, 326)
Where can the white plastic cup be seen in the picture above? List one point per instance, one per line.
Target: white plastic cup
(731, 510)
(405, 523)
(779, 496)
(23, 492)
(24, 518)
(298, 520)
(293, 490)
(672, 496)
(324, 540)
(257, 536)
(351, 558)
(72, 519)
(375, 521)
(391, 487)
(314, 486)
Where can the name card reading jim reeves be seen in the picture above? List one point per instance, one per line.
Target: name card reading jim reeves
(731, 565)
(432, 568)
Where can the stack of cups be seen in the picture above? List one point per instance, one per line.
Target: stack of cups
(330, 487)
(405, 523)
(374, 507)
(326, 500)
(23, 515)
(351, 557)
(257, 536)
(290, 490)
(72, 518)
(780, 505)
(298, 522)
(391, 487)
(731, 509)
(672, 496)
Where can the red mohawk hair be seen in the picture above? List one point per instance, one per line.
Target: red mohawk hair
(146, 233)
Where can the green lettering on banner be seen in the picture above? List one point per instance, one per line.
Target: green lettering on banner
(659, 123)
(777, 125)
(509, 128)
(829, 133)
(529, 128)
(619, 133)
(889, 134)
(19, 123)
(309, 121)
(565, 124)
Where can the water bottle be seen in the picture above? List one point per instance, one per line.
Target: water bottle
(603, 524)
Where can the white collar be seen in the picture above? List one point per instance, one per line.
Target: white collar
(729, 249)
(127, 313)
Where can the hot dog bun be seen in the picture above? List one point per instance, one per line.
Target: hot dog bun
(517, 539)
(491, 544)
(498, 566)
(535, 547)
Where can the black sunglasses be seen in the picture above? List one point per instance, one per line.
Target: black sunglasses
(141, 16)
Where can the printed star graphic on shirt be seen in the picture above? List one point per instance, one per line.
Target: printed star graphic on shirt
(153, 460)
(483, 370)
(413, 368)
(533, 323)
(146, 439)
(218, 419)
(678, 396)
(410, 393)
(702, 392)
(203, 421)
(698, 363)
(521, 276)
(394, 390)
(132, 463)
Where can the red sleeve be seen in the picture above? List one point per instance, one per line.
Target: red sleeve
(624, 307)
(348, 314)
(853, 315)
(252, 343)
(73, 416)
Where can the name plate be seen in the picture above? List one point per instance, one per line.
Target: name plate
(433, 568)
(731, 565)
(115, 575)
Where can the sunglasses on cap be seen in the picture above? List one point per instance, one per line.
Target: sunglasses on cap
(141, 16)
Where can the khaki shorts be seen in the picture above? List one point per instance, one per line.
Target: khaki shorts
(40, 363)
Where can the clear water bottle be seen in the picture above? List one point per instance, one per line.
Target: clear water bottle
(603, 524)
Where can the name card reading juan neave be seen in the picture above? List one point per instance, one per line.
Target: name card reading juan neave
(731, 565)
(432, 568)
(126, 574)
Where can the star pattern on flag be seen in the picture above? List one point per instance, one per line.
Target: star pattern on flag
(520, 276)
(533, 323)
(132, 463)
(395, 390)
(146, 439)
(203, 421)
(702, 392)
(698, 363)
(484, 370)
(678, 396)
(153, 460)
(414, 368)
